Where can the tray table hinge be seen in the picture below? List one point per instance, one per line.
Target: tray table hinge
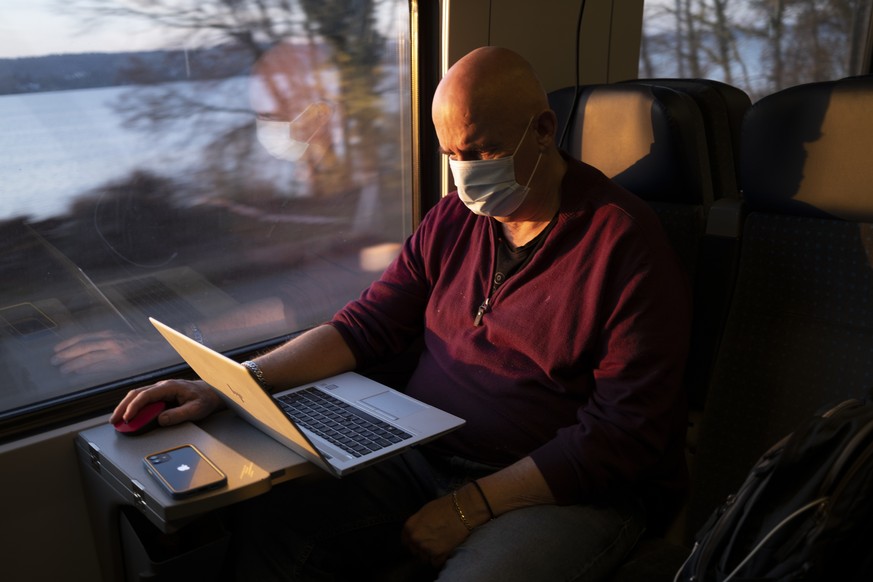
(138, 494)
(94, 455)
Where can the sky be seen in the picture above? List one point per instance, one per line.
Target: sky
(42, 27)
(38, 27)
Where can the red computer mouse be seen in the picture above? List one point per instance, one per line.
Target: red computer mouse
(145, 420)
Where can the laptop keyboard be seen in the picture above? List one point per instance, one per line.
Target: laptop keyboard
(339, 423)
(154, 298)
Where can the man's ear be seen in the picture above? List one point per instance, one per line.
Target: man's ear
(545, 125)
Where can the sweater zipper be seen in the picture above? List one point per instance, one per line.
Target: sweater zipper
(486, 304)
(477, 321)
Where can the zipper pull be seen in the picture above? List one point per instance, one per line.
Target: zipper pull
(481, 313)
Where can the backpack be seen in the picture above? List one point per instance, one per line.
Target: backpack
(804, 512)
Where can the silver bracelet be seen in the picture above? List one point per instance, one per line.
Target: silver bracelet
(257, 374)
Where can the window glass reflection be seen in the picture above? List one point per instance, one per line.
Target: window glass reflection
(760, 47)
(234, 169)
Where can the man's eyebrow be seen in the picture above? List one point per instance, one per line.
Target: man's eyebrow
(473, 151)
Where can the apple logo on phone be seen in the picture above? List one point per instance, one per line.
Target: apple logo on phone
(183, 467)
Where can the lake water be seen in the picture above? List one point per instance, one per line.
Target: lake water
(59, 145)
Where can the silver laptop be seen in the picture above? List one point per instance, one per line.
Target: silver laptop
(374, 421)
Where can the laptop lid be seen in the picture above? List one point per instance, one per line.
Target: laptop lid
(242, 393)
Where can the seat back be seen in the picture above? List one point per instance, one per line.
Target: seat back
(722, 107)
(652, 140)
(799, 333)
(649, 139)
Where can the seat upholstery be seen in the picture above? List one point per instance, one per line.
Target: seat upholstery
(722, 107)
(649, 139)
(799, 333)
(652, 139)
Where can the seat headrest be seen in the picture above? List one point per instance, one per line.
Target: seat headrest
(723, 108)
(649, 139)
(808, 150)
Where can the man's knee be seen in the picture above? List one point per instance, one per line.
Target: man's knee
(548, 543)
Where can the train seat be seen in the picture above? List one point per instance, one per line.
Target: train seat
(655, 141)
(799, 332)
(722, 107)
(651, 140)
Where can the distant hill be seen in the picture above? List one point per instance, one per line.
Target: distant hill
(90, 70)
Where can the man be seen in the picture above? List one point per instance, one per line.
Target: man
(554, 320)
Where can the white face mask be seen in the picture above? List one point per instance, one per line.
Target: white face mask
(488, 187)
(276, 138)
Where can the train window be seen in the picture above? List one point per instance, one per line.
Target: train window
(237, 170)
(761, 47)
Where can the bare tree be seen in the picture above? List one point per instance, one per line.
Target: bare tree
(761, 45)
(337, 52)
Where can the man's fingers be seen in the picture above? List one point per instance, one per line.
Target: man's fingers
(189, 401)
(134, 400)
(123, 410)
(193, 404)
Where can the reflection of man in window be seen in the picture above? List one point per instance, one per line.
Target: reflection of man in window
(293, 109)
(292, 125)
(555, 321)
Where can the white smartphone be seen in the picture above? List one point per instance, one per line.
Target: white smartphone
(184, 471)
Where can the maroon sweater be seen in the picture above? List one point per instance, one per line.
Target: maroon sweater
(578, 362)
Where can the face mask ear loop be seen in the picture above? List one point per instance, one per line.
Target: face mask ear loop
(534, 171)
(524, 135)
(540, 157)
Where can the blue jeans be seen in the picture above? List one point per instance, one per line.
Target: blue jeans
(321, 528)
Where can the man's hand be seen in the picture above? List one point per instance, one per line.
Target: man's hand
(437, 529)
(194, 400)
(103, 351)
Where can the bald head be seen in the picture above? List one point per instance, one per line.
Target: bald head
(491, 105)
(489, 85)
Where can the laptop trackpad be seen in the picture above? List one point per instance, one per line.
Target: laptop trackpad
(393, 404)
